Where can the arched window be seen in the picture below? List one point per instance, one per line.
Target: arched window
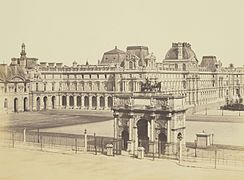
(5, 105)
(64, 101)
(71, 100)
(94, 101)
(176, 66)
(86, 101)
(184, 67)
(110, 101)
(102, 101)
(78, 101)
(36, 86)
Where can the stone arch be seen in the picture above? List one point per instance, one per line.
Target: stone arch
(142, 134)
(45, 103)
(125, 139)
(94, 101)
(15, 104)
(86, 101)
(53, 102)
(25, 104)
(110, 102)
(64, 101)
(162, 140)
(102, 101)
(38, 104)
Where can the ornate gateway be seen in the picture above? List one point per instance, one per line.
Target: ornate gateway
(151, 120)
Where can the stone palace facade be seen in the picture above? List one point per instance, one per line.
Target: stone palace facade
(27, 85)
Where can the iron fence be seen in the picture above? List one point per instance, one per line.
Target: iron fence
(59, 141)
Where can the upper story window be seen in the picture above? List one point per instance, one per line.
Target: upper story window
(15, 87)
(5, 103)
(130, 65)
(36, 86)
(45, 87)
(25, 87)
(53, 86)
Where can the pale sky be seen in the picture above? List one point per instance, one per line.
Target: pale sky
(68, 30)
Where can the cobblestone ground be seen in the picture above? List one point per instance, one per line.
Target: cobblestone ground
(18, 164)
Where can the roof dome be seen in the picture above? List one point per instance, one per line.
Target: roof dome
(174, 52)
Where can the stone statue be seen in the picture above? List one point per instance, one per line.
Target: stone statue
(148, 86)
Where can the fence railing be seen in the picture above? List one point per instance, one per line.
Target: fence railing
(59, 141)
(214, 157)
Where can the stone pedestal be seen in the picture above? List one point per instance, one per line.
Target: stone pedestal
(151, 147)
(130, 147)
(140, 152)
(203, 140)
(109, 148)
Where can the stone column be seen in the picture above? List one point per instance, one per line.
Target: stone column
(116, 115)
(90, 102)
(130, 146)
(82, 101)
(67, 102)
(41, 103)
(149, 130)
(75, 101)
(106, 102)
(151, 138)
(168, 131)
(34, 103)
(98, 102)
(124, 86)
(135, 140)
(58, 102)
(49, 102)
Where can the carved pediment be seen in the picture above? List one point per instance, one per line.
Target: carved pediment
(16, 79)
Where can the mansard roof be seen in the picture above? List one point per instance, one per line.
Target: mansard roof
(115, 51)
(113, 57)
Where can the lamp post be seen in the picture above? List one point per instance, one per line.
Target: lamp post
(212, 138)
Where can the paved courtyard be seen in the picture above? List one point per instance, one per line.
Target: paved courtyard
(18, 164)
(57, 118)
